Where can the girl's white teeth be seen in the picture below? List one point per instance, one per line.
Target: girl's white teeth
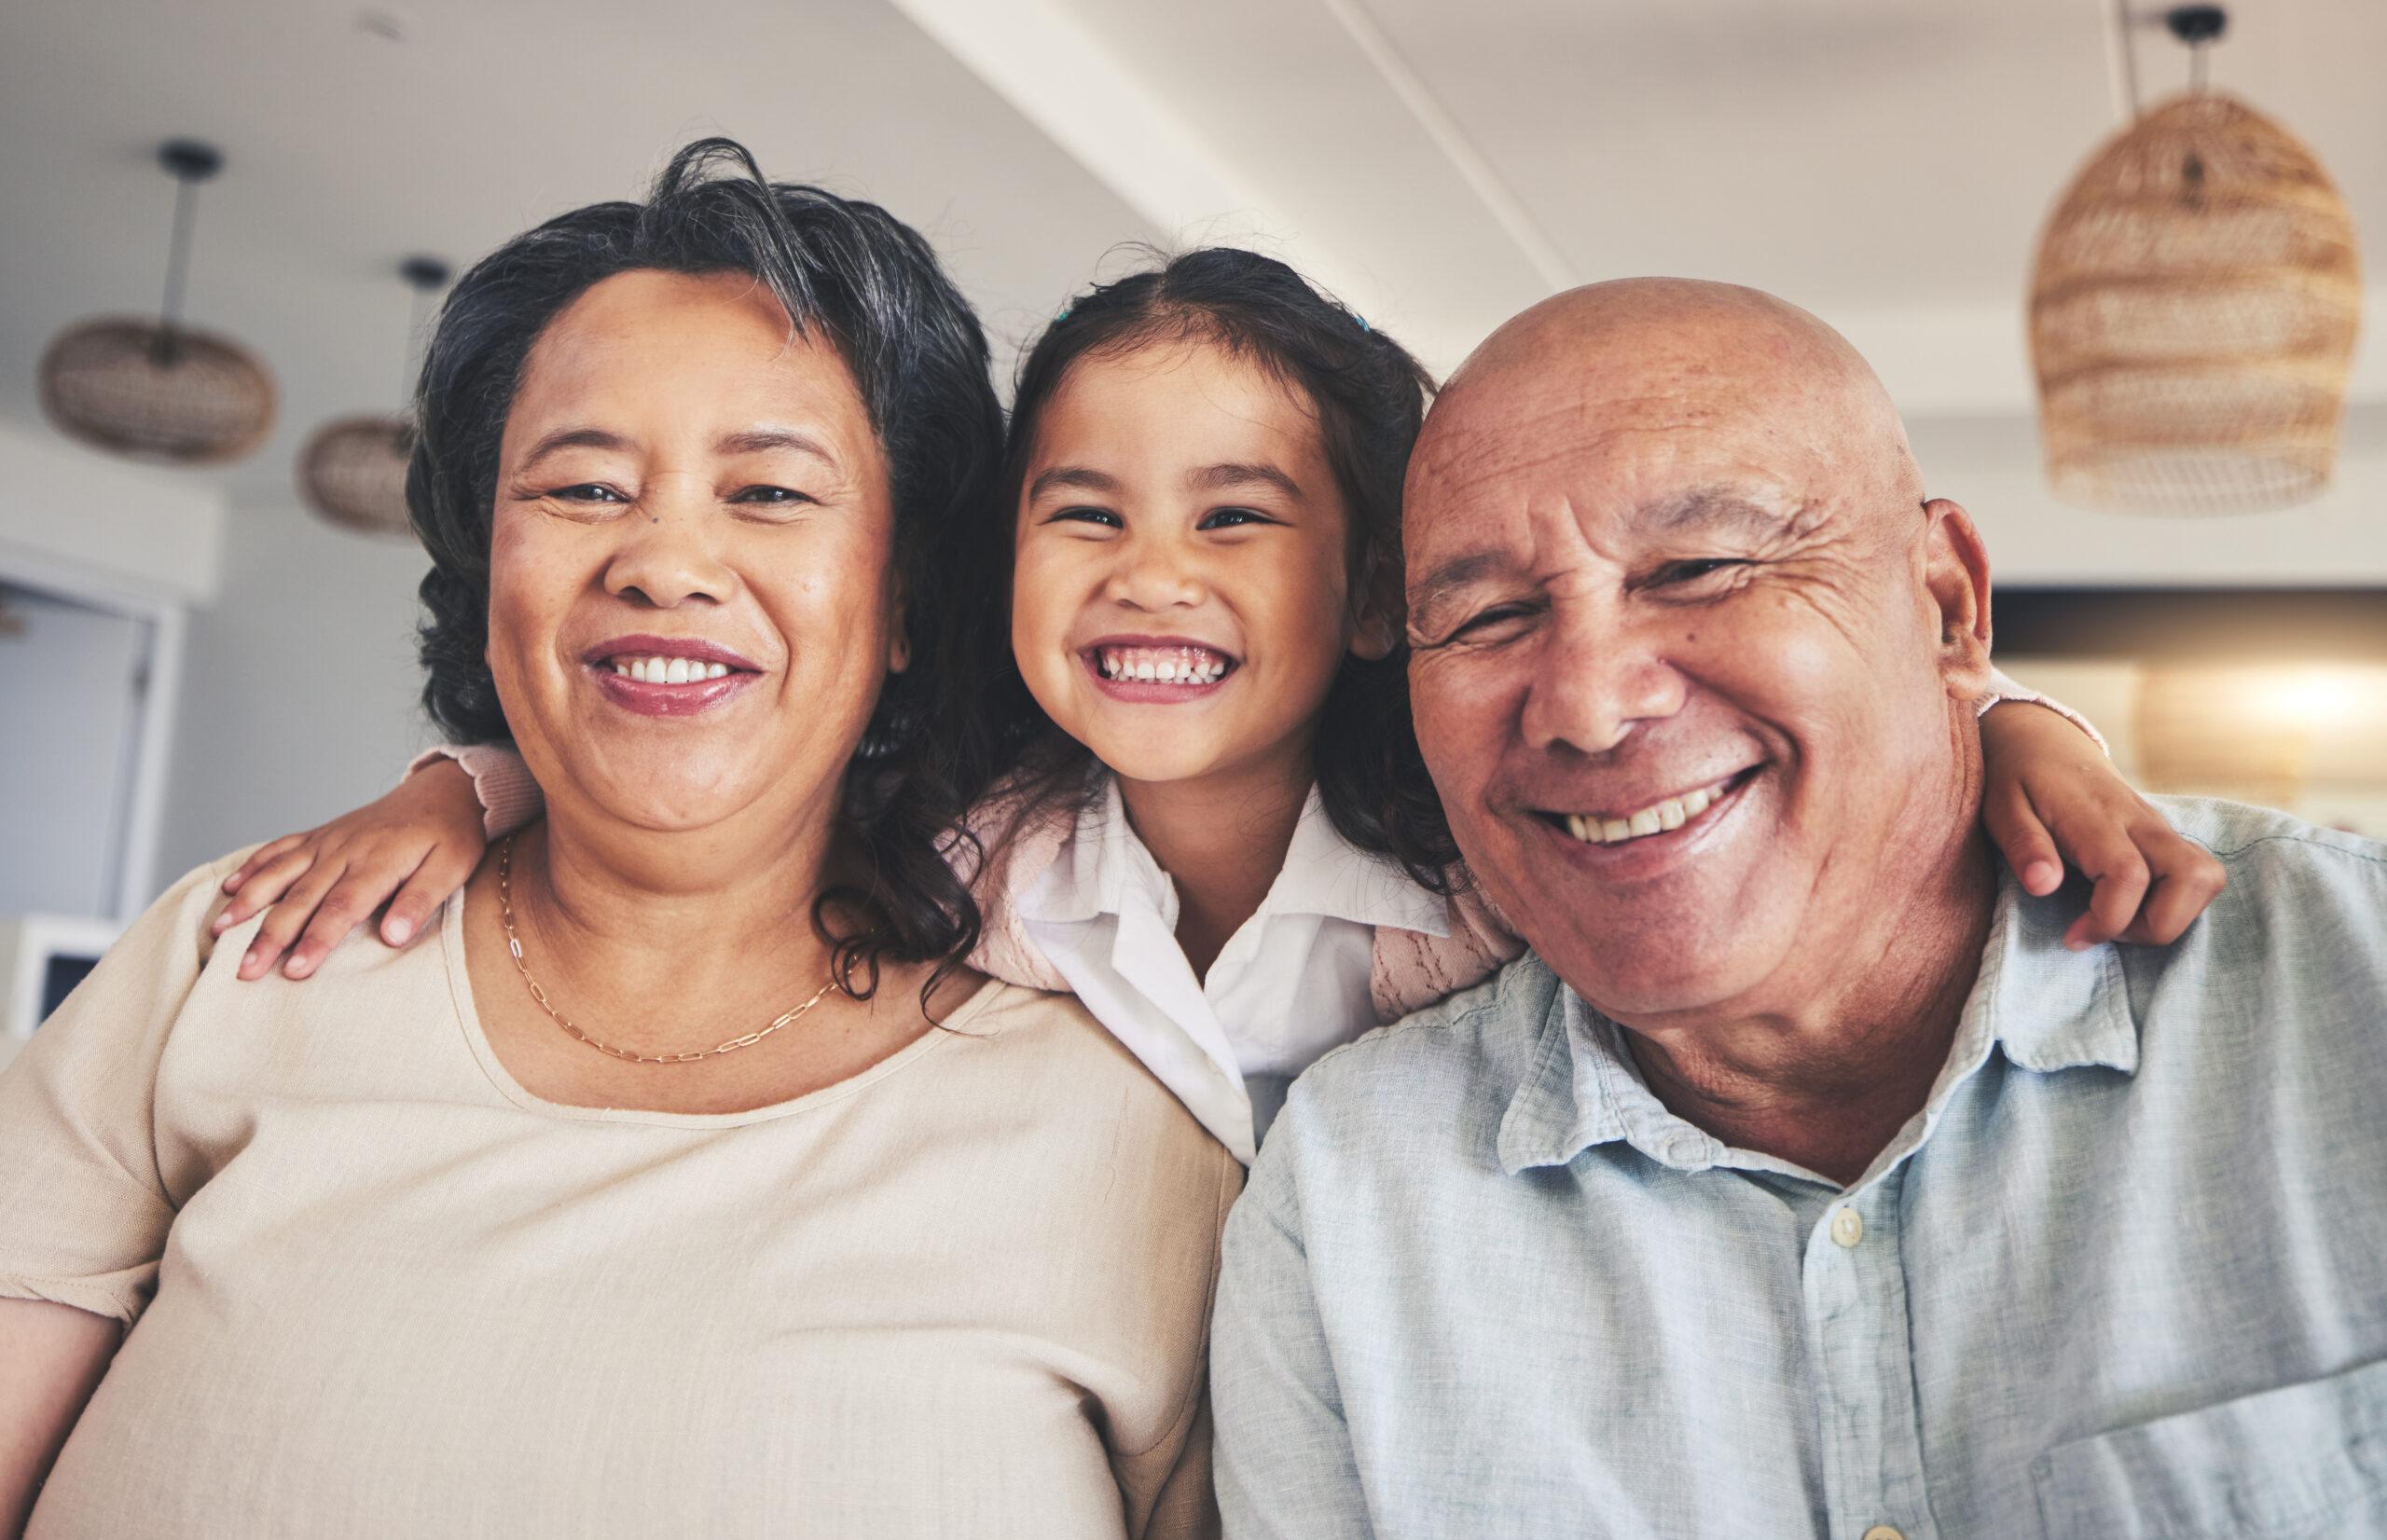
(669, 670)
(1660, 819)
(1163, 665)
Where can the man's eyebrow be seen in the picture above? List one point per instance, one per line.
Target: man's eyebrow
(1084, 477)
(761, 440)
(1437, 587)
(1227, 477)
(574, 438)
(1711, 507)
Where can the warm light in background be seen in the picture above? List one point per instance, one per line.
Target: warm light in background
(2303, 734)
(2317, 699)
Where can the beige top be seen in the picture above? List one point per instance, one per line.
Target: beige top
(379, 1289)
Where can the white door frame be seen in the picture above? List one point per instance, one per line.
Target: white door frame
(143, 817)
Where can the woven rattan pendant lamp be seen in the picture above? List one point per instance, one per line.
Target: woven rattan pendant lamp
(2193, 310)
(161, 390)
(353, 470)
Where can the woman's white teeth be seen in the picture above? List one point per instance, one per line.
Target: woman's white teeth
(1659, 819)
(1162, 665)
(669, 670)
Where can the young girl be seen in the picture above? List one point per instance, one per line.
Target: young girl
(1204, 810)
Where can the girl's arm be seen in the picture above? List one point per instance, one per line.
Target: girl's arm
(419, 841)
(2050, 795)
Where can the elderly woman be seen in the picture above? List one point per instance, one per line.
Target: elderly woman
(677, 1180)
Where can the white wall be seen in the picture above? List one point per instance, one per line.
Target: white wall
(299, 683)
(1992, 466)
(149, 531)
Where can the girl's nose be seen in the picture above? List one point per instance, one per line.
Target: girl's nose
(1154, 580)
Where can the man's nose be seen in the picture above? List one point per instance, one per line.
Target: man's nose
(667, 554)
(1154, 575)
(1594, 682)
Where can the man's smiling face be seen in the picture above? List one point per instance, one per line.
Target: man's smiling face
(1682, 668)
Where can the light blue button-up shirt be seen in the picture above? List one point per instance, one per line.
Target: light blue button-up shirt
(2124, 1275)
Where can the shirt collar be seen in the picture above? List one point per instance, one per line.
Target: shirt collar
(1097, 864)
(2045, 1007)
(1103, 867)
(1327, 874)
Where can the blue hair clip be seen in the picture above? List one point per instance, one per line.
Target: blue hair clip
(1362, 321)
(1063, 315)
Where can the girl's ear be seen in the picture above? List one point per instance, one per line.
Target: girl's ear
(1372, 641)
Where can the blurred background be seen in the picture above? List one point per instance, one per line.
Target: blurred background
(193, 657)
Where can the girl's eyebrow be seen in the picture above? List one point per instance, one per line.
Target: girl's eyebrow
(1222, 478)
(1084, 477)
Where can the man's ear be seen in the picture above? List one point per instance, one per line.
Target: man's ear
(1956, 570)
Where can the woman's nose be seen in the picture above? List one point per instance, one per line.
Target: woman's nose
(666, 556)
(1152, 577)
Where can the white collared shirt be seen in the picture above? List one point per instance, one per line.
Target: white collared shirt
(1291, 983)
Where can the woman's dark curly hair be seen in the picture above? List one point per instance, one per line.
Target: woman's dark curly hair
(1370, 396)
(874, 288)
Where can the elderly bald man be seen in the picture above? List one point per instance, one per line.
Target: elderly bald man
(1799, 1181)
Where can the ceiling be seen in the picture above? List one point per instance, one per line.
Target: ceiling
(1885, 162)
(346, 151)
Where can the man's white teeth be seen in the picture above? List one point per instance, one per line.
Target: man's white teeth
(1163, 665)
(669, 670)
(1661, 818)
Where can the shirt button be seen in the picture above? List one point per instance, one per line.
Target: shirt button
(1848, 1229)
(1883, 1531)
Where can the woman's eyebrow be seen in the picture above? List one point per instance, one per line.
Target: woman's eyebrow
(761, 440)
(1084, 477)
(1227, 477)
(574, 438)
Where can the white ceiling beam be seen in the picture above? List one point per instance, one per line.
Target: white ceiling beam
(1474, 166)
(1061, 78)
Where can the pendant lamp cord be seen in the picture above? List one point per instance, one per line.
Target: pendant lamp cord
(418, 308)
(2122, 24)
(178, 267)
(426, 276)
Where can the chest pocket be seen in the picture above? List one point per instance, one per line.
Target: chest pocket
(2301, 1460)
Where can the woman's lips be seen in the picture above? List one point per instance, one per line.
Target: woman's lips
(649, 698)
(667, 676)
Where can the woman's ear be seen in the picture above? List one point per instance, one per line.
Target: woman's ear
(899, 637)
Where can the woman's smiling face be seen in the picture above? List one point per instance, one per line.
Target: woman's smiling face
(691, 603)
(1180, 598)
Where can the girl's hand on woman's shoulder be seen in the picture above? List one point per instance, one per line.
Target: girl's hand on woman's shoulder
(2052, 797)
(421, 842)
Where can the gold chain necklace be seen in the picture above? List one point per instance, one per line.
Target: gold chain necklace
(514, 946)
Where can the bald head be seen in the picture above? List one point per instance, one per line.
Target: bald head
(1691, 656)
(1678, 353)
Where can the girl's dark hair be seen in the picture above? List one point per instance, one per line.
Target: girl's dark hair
(872, 287)
(1370, 396)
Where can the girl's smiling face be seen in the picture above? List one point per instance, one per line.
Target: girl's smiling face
(1180, 593)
